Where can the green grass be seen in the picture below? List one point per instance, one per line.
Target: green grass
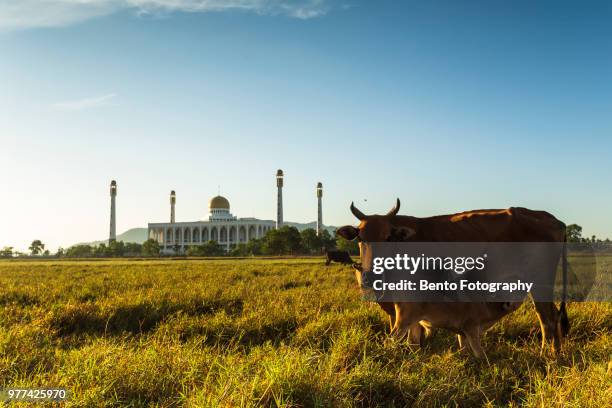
(267, 333)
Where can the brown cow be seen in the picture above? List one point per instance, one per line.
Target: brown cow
(467, 319)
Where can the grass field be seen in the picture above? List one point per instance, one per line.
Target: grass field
(267, 333)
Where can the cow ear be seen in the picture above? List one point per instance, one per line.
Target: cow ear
(348, 232)
(401, 234)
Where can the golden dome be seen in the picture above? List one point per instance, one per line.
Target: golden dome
(218, 202)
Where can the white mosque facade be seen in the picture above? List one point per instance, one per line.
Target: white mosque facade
(220, 226)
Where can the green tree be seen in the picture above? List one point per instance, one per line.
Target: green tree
(151, 248)
(573, 233)
(352, 247)
(286, 240)
(6, 252)
(37, 247)
(79, 251)
(116, 248)
(327, 240)
(210, 248)
(132, 249)
(240, 250)
(100, 251)
(255, 246)
(60, 252)
(273, 243)
(311, 242)
(293, 240)
(193, 250)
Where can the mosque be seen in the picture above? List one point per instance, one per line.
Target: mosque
(220, 225)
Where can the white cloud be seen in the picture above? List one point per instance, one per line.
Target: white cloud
(19, 14)
(83, 104)
(16, 14)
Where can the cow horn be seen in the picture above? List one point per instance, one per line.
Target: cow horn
(360, 216)
(395, 209)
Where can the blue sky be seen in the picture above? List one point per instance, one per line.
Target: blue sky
(448, 105)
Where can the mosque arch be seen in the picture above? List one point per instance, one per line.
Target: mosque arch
(169, 235)
(187, 235)
(196, 235)
(242, 233)
(251, 231)
(214, 234)
(232, 233)
(223, 234)
(205, 234)
(178, 237)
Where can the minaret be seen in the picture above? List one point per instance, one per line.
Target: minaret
(172, 203)
(319, 208)
(113, 218)
(279, 204)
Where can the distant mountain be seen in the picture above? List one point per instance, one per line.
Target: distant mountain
(139, 235)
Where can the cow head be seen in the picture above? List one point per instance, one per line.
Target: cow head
(375, 228)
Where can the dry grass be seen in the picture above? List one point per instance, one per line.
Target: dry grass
(267, 333)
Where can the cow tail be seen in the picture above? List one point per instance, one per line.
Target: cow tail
(565, 323)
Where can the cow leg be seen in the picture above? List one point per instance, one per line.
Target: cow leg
(392, 320)
(389, 309)
(416, 335)
(403, 321)
(403, 330)
(399, 331)
(472, 335)
(549, 324)
(407, 324)
(461, 340)
(423, 329)
(464, 345)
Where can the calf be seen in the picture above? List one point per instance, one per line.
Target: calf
(414, 320)
(467, 320)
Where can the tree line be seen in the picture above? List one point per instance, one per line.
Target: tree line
(284, 241)
(574, 236)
